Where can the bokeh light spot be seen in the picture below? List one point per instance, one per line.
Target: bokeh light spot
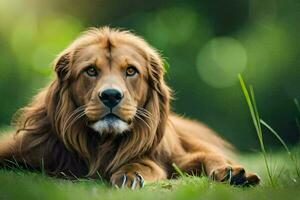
(172, 26)
(220, 60)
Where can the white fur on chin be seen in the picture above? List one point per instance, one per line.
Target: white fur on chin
(104, 126)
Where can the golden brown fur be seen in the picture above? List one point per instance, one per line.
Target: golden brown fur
(54, 131)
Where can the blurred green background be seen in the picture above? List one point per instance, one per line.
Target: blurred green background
(206, 42)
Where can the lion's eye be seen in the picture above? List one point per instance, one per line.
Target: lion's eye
(131, 71)
(91, 71)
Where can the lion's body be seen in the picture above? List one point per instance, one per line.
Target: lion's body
(182, 138)
(53, 132)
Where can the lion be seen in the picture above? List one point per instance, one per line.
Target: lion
(107, 112)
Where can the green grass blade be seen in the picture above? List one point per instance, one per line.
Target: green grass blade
(292, 157)
(276, 135)
(166, 65)
(298, 124)
(298, 108)
(297, 104)
(178, 170)
(248, 99)
(43, 167)
(254, 105)
(255, 118)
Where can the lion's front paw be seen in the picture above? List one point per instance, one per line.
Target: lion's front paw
(132, 180)
(235, 175)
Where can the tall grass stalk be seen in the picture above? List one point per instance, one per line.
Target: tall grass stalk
(250, 99)
(291, 156)
(298, 108)
(297, 104)
(178, 170)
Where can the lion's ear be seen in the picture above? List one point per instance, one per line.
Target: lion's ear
(61, 65)
(161, 94)
(157, 75)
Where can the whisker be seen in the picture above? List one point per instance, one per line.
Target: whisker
(145, 111)
(94, 110)
(77, 111)
(74, 113)
(137, 116)
(142, 115)
(74, 120)
(142, 110)
(145, 115)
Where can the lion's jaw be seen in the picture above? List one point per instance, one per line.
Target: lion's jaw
(110, 124)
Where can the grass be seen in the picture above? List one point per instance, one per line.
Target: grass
(19, 184)
(256, 121)
(298, 117)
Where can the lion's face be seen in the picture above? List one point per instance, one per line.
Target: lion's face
(110, 81)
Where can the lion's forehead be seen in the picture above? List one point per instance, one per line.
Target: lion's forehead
(119, 55)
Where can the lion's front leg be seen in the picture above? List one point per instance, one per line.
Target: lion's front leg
(135, 174)
(217, 167)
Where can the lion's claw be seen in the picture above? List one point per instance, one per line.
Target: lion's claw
(128, 180)
(235, 176)
(124, 180)
(140, 179)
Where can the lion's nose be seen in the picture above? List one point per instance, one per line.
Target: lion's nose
(111, 97)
